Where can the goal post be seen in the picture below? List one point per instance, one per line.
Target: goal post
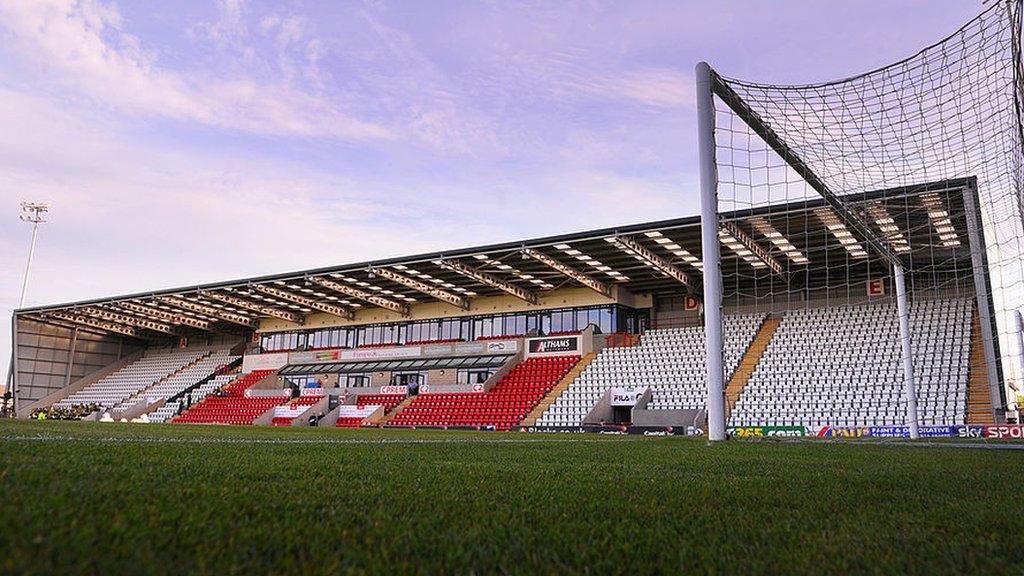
(892, 201)
(709, 246)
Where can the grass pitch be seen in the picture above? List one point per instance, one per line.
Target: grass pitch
(84, 498)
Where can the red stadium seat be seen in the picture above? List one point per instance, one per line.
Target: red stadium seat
(234, 408)
(504, 406)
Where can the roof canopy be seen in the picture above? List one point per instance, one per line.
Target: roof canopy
(793, 245)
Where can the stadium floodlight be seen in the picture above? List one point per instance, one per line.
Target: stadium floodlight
(129, 320)
(423, 287)
(333, 309)
(258, 308)
(172, 317)
(887, 225)
(940, 220)
(32, 212)
(629, 245)
(184, 304)
(402, 309)
(569, 271)
(528, 296)
(666, 243)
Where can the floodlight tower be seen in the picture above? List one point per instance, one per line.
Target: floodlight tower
(34, 213)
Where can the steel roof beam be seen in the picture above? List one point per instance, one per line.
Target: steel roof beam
(257, 308)
(224, 315)
(630, 245)
(756, 249)
(423, 287)
(353, 292)
(482, 277)
(172, 317)
(94, 323)
(129, 320)
(333, 309)
(566, 270)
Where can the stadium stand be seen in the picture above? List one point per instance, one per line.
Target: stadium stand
(234, 407)
(388, 401)
(503, 406)
(349, 421)
(180, 381)
(174, 405)
(296, 406)
(353, 416)
(118, 387)
(841, 366)
(671, 361)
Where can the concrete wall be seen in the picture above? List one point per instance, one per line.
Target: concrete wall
(26, 408)
(51, 357)
(678, 418)
(331, 419)
(320, 406)
(602, 411)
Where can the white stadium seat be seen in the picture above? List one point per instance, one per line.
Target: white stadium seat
(842, 366)
(159, 374)
(669, 361)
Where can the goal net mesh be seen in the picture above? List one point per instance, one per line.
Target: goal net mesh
(822, 187)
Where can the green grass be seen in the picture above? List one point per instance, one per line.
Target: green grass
(119, 499)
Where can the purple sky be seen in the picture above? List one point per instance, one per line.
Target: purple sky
(191, 142)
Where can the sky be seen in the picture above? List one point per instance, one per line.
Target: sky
(190, 142)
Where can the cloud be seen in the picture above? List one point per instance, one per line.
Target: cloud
(85, 47)
(128, 217)
(651, 87)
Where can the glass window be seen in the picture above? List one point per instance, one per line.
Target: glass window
(582, 319)
(606, 320)
(484, 327)
(520, 324)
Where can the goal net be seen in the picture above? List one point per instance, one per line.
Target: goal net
(826, 193)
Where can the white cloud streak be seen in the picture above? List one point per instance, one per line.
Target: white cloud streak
(85, 47)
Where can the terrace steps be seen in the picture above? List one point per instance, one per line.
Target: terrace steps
(751, 358)
(398, 409)
(130, 401)
(979, 397)
(555, 392)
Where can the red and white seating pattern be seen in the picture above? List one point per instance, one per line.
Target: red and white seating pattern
(504, 406)
(235, 407)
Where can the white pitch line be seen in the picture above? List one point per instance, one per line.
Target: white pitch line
(287, 441)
